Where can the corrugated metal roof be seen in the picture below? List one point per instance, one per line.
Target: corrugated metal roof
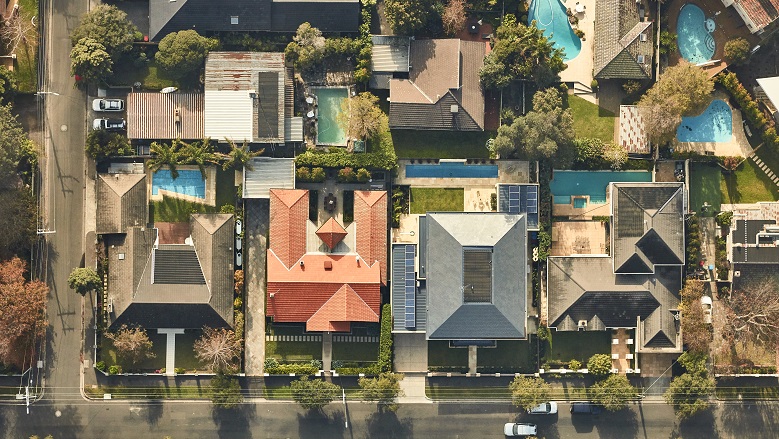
(293, 129)
(228, 115)
(390, 53)
(268, 173)
(152, 116)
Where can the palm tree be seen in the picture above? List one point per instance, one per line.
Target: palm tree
(166, 155)
(200, 154)
(239, 156)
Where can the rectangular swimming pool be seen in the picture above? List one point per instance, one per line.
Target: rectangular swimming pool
(189, 183)
(451, 170)
(565, 184)
(329, 100)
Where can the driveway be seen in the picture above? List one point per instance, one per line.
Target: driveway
(256, 219)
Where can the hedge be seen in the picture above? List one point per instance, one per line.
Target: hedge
(297, 369)
(382, 155)
(356, 370)
(750, 108)
(385, 340)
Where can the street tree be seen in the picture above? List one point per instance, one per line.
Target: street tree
(689, 394)
(132, 344)
(696, 333)
(239, 157)
(613, 393)
(90, 60)
(384, 390)
(313, 394)
(521, 52)
(109, 26)
(219, 349)
(737, 50)
(166, 155)
(24, 312)
(453, 17)
(615, 154)
(17, 30)
(102, 144)
(84, 280)
(7, 84)
(12, 143)
(182, 54)
(527, 392)
(225, 391)
(406, 17)
(307, 47)
(18, 222)
(752, 314)
(599, 365)
(360, 116)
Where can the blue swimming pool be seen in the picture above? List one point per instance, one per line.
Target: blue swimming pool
(329, 100)
(715, 124)
(551, 17)
(565, 184)
(696, 44)
(452, 170)
(188, 183)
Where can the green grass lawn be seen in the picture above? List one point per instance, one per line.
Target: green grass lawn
(159, 343)
(748, 184)
(494, 393)
(512, 355)
(345, 351)
(746, 393)
(769, 156)
(589, 120)
(440, 354)
(575, 345)
(705, 186)
(149, 75)
(441, 144)
(175, 210)
(185, 354)
(153, 392)
(225, 187)
(288, 351)
(425, 200)
(27, 53)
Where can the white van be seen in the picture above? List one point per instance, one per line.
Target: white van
(513, 429)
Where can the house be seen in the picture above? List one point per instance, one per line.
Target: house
(442, 91)
(623, 45)
(166, 16)
(249, 97)
(752, 249)
(767, 93)
(326, 275)
(637, 285)
(165, 116)
(757, 14)
(122, 202)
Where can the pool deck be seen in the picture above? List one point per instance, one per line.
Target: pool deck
(737, 146)
(509, 171)
(580, 68)
(210, 183)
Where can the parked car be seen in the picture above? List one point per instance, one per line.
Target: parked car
(706, 305)
(109, 124)
(547, 408)
(513, 429)
(585, 408)
(108, 105)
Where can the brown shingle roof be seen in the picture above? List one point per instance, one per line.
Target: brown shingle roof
(617, 41)
(152, 116)
(343, 306)
(121, 202)
(288, 216)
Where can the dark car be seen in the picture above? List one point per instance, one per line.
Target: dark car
(585, 408)
(109, 124)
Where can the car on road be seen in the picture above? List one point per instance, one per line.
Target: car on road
(706, 304)
(108, 105)
(547, 408)
(515, 429)
(585, 408)
(109, 124)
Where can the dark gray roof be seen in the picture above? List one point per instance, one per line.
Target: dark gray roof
(520, 198)
(751, 273)
(398, 292)
(648, 226)
(121, 202)
(213, 236)
(756, 255)
(745, 231)
(448, 316)
(618, 42)
(327, 16)
(585, 288)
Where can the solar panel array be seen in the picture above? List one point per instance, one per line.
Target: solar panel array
(410, 288)
(519, 198)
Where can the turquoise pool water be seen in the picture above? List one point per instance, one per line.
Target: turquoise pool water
(451, 170)
(695, 42)
(329, 101)
(551, 17)
(188, 183)
(715, 124)
(564, 184)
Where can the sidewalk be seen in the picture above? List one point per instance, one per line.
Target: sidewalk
(413, 387)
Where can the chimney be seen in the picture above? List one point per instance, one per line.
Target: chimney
(328, 265)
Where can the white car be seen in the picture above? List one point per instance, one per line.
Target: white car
(547, 408)
(108, 105)
(513, 429)
(109, 124)
(706, 305)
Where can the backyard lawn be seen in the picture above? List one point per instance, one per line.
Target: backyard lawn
(149, 75)
(159, 343)
(705, 186)
(185, 354)
(589, 120)
(425, 200)
(508, 356)
(577, 345)
(411, 144)
(439, 354)
(748, 184)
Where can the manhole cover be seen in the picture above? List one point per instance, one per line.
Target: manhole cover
(63, 128)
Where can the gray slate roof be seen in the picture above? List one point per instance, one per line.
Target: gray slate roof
(448, 316)
(121, 202)
(618, 42)
(648, 226)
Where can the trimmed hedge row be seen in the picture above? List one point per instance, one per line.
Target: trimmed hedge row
(385, 340)
(750, 108)
(297, 369)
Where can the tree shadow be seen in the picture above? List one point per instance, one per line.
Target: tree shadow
(154, 412)
(316, 423)
(386, 423)
(617, 425)
(68, 424)
(234, 423)
(702, 425)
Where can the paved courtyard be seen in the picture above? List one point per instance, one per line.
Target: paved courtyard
(578, 238)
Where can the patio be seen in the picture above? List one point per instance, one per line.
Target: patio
(579, 69)
(578, 238)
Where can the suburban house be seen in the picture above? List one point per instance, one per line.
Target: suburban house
(166, 16)
(757, 14)
(767, 93)
(442, 91)
(326, 275)
(249, 97)
(165, 116)
(623, 41)
(637, 285)
(752, 249)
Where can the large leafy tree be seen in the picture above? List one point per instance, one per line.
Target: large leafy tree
(132, 344)
(103, 144)
(753, 314)
(360, 116)
(239, 156)
(183, 53)
(225, 391)
(383, 389)
(218, 349)
(109, 26)
(453, 17)
(90, 60)
(18, 222)
(307, 47)
(406, 17)
(313, 394)
(13, 141)
(613, 393)
(737, 50)
(689, 393)
(527, 392)
(521, 52)
(7, 84)
(24, 312)
(84, 280)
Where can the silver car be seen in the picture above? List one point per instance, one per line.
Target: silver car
(547, 408)
(519, 430)
(108, 105)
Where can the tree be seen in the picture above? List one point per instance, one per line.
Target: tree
(363, 175)
(102, 144)
(165, 154)
(589, 151)
(24, 312)
(239, 156)
(696, 334)
(360, 116)
(453, 17)
(406, 17)
(7, 84)
(737, 50)
(382, 390)
(667, 42)
(307, 47)
(682, 89)
(18, 222)
(752, 314)
(17, 30)
(90, 60)
(527, 393)
(182, 54)
(521, 52)
(689, 394)
(108, 26)
(613, 393)
(225, 391)
(219, 349)
(84, 280)
(599, 365)
(200, 153)
(313, 394)
(615, 154)
(13, 141)
(132, 344)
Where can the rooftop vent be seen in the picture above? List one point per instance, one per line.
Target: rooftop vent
(328, 265)
(234, 19)
(454, 109)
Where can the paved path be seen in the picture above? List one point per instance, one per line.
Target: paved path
(256, 217)
(761, 164)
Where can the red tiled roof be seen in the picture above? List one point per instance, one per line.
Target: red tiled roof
(758, 13)
(331, 233)
(370, 214)
(343, 307)
(288, 217)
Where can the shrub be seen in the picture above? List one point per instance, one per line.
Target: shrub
(303, 174)
(271, 363)
(237, 304)
(594, 85)
(574, 365)
(579, 33)
(239, 324)
(318, 175)
(296, 368)
(363, 175)
(737, 50)
(494, 202)
(385, 340)
(725, 219)
(179, 370)
(346, 175)
(100, 366)
(749, 107)
(599, 365)
(227, 208)
(115, 369)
